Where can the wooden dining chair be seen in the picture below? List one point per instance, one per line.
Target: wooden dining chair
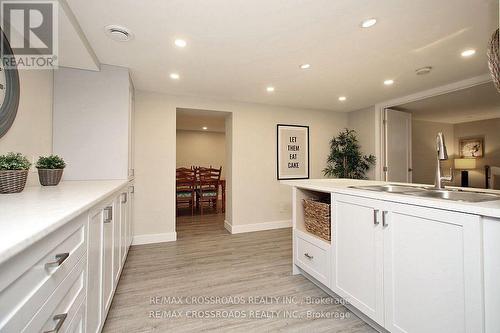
(207, 190)
(185, 188)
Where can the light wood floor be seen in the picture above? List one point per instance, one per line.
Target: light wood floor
(208, 261)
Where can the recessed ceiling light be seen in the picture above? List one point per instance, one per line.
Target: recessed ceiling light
(204, 128)
(118, 33)
(423, 70)
(174, 76)
(388, 82)
(305, 66)
(180, 43)
(270, 89)
(468, 52)
(368, 23)
(342, 98)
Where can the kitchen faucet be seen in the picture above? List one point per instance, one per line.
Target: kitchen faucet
(442, 155)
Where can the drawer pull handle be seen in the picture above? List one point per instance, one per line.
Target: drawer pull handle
(108, 211)
(308, 256)
(124, 197)
(60, 258)
(59, 318)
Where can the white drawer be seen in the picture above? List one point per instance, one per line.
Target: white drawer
(312, 258)
(34, 282)
(77, 324)
(63, 304)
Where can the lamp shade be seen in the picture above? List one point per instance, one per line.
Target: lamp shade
(465, 163)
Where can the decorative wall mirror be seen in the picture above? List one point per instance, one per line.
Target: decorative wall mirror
(9, 88)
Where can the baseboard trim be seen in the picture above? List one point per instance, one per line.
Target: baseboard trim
(154, 238)
(228, 226)
(238, 229)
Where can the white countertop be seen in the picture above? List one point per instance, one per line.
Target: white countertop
(28, 216)
(488, 208)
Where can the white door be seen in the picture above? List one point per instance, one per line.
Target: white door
(397, 131)
(94, 271)
(130, 221)
(432, 271)
(107, 274)
(357, 272)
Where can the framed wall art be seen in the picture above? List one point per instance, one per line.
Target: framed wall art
(471, 147)
(293, 152)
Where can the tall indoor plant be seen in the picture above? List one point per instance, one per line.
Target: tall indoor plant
(345, 159)
(13, 172)
(50, 169)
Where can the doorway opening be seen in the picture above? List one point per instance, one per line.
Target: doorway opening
(203, 171)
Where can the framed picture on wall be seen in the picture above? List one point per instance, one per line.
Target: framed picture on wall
(293, 151)
(471, 147)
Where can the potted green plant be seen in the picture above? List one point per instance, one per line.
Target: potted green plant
(13, 172)
(345, 159)
(50, 169)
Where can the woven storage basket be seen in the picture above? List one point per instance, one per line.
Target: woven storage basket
(50, 177)
(12, 181)
(494, 59)
(317, 218)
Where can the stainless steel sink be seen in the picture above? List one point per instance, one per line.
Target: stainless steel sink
(429, 192)
(457, 195)
(391, 188)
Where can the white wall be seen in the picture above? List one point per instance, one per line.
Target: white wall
(256, 195)
(424, 149)
(201, 149)
(364, 123)
(31, 132)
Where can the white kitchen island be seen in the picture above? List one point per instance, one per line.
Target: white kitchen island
(404, 263)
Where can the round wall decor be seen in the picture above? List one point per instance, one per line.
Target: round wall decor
(9, 88)
(494, 59)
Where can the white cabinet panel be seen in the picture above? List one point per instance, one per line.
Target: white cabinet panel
(357, 273)
(95, 259)
(107, 273)
(431, 266)
(124, 220)
(118, 244)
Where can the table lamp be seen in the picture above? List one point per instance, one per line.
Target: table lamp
(465, 164)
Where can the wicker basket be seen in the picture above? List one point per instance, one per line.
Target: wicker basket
(12, 181)
(50, 177)
(494, 59)
(317, 218)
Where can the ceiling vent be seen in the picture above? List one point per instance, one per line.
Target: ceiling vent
(118, 33)
(423, 70)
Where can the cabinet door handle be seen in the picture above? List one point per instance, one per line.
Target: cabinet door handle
(60, 258)
(59, 318)
(308, 256)
(132, 189)
(109, 214)
(375, 217)
(384, 219)
(124, 197)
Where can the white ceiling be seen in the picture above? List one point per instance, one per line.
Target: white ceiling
(238, 47)
(476, 103)
(195, 120)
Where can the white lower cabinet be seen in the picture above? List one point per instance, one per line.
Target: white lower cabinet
(411, 269)
(65, 282)
(357, 273)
